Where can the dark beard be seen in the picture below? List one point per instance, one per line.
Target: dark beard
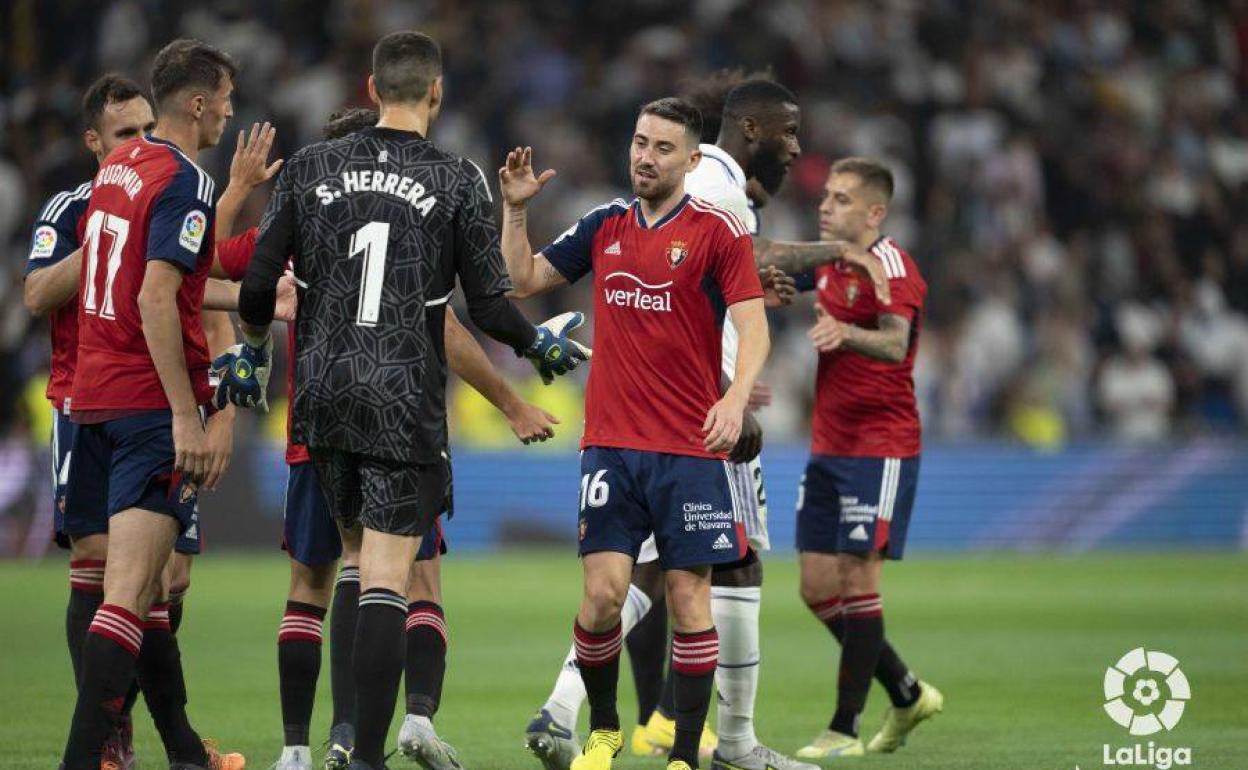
(767, 168)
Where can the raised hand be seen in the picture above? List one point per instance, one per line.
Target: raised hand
(516, 179)
(248, 167)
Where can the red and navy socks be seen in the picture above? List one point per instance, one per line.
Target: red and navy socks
(891, 672)
(425, 664)
(863, 619)
(109, 658)
(694, 658)
(598, 658)
(86, 593)
(298, 667)
(160, 677)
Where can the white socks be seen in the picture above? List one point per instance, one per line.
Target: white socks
(564, 703)
(298, 756)
(735, 611)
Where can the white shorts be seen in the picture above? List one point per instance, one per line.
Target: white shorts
(751, 509)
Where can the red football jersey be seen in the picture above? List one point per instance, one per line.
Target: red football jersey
(660, 294)
(234, 254)
(149, 201)
(865, 407)
(58, 232)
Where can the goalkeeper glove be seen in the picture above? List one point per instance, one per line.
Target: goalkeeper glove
(554, 352)
(243, 373)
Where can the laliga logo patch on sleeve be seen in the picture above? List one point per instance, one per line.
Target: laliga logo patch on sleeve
(45, 242)
(193, 229)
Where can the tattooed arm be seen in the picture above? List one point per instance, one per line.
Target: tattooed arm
(793, 258)
(531, 274)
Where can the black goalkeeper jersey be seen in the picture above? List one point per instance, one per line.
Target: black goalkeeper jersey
(379, 224)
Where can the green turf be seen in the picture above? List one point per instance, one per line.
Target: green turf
(1019, 646)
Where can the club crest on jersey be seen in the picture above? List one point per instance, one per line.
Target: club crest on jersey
(45, 242)
(852, 291)
(676, 253)
(193, 229)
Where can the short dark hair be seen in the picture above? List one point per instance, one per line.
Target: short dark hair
(110, 89)
(679, 111)
(405, 64)
(348, 121)
(871, 172)
(187, 64)
(752, 95)
(709, 93)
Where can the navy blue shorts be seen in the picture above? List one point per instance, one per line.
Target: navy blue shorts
(310, 534)
(687, 502)
(856, 504)
(63, 430)
(128, 463)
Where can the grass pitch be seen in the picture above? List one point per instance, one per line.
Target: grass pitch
(1018, 644)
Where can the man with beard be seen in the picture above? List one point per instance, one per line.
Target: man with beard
(755, 145)
(667, 270)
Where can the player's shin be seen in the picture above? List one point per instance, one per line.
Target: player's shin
(425, 664)
(860, 653)
(647, 652)
(86, 593)
(891, 672)
(694, 658)
(378, 665)
(109, 656)
(735, 611)
(564, 703)
(598, 658)
(344, 612)
(160, 676)
(298, 668)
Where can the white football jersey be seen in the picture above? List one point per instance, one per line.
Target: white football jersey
(719, 180)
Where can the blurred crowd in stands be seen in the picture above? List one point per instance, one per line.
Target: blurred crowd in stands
(1073, 174)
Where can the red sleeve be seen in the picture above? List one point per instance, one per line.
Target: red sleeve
(234, 254)
(734, 268)
(907, 294)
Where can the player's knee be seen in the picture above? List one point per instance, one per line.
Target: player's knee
(351, 538)
(858, 574)
(179, 570)
(605, 594)
(649, 578)
(425, 585)
(91, 547)
(814, 591)
(312, 583)
(689, 601)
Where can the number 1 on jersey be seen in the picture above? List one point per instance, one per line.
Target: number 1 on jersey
(373, 239)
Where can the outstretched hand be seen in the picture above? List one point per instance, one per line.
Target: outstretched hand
(250, 156)
(516, 178)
